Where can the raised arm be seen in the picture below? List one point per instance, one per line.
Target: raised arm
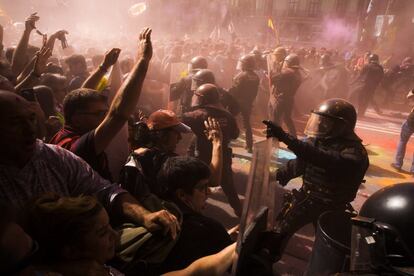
(59, 35)
(39, 67)
(19, 55)
(110, 59)
(127, 97)
(214, 134)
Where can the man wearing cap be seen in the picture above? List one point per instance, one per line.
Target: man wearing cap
(139, 175)
(206, 103)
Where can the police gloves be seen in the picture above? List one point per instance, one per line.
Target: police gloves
(274, 130)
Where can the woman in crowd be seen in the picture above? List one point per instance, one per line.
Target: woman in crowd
(75, 238)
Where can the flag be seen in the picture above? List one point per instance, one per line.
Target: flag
(272, 27)
(270, 24)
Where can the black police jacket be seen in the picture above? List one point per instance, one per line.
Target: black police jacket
(286, 83)
(331, 169)
(195, 119)
(245, 87)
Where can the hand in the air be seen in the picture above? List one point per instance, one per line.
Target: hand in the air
(213, 130)
(145, 45)
(41, 60)
(274, 130)
(111, 58)
(30, 23)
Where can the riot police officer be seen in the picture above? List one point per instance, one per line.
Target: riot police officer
(332, 162)
(284, 87)
(334, 79)
(363, 88)
(280, 55)
(206, 103)
(181, 90)
(244, 90)
(205, 76)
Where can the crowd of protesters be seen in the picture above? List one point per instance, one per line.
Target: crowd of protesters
(91, 181)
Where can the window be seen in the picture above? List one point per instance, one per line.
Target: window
(293, 6)
(314, 7)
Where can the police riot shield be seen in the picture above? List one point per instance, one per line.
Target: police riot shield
(178, 71)
(258, 208)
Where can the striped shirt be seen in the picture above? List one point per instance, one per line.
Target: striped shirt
(56, 170)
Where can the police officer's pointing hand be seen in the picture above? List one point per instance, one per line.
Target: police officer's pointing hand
(274, 130)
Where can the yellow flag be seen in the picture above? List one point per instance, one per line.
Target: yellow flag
(270, 24)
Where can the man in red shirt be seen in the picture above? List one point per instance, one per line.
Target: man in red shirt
(89, 125)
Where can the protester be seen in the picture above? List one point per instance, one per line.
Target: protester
(89, 125)
(188, 181)
(57, 86)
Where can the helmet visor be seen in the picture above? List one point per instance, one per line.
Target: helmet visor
(196, 101)
(195, 84)
(319, 126)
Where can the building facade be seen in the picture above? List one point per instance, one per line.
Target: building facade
(307, 20)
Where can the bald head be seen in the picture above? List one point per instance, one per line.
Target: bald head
(18, 128)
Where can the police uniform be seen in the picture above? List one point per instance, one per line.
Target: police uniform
(244, 89)
(332, 162)
(332, 171)
(202, 147)
(365, 85)
(285, 84)
(182, 91)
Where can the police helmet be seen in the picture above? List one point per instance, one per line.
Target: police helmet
(280, 51)
(206, 94)
(383, 232)
(373, 58)
(292, 61)
(333, 118)
(248, 62)
(202, 76)
(198, 62)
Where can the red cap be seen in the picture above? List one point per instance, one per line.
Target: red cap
(163, 119)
